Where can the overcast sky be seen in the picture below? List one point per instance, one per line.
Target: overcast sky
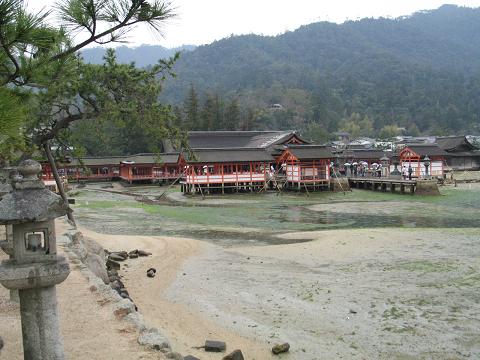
(204, 21)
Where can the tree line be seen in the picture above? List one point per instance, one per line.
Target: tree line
(420, 73)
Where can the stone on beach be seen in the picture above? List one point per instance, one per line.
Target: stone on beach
(151, 272)
(154, 339)
(112, 278)
(143, 253)
(117, 285)
(215, 346)
(174, 355)
(123, 308)
(97, 266)
(112, 272)
(117, 257)
(234, 355)
(111, 264)
(280, 348)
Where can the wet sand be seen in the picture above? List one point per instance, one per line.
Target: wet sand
(183, 325)
(383, 293)
(88, 326)
(353, 294)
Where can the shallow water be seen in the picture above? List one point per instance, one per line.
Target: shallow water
(258, 218)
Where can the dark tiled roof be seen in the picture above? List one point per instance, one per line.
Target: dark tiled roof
(303, 152)
(426, 149)
(230, 155)
(361, 154)
(96, 161)
(238, 139)
(473, 153)
(454, 143)
(357, 147)
(166, 158)
(170, 158)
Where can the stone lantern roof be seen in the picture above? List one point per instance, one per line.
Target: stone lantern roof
(30, 201)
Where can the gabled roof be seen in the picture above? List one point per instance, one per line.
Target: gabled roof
(471, 154)
(230, 155)
(96, 161)
(150, 158)
(363, 154)
(455, 143)
(146, 158)
(304, 152)
(239, 139)
(426, 149)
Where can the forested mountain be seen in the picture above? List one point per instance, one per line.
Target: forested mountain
(420, 72)
(143, 55)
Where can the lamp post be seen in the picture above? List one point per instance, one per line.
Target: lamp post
(395, 161)
(384, 160)
(426, 163)
(34, 267)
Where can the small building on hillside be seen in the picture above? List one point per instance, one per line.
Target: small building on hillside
(342, 136)
(461, 153)
(227, 170)
(361, 143)
(305, 166)
(151, 167)
(418, 156)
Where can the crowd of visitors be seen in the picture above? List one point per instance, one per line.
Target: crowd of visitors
(357, 169)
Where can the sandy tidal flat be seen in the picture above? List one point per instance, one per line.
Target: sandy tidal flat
(353, 294)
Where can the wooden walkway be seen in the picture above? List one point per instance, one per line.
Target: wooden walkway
(383, 184)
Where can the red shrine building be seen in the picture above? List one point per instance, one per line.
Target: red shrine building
(417, 156)
(228, 161)
(217, 161)
(306, 166)
(151, 167)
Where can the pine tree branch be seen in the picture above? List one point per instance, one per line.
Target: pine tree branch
(6, 48)
(134, 15)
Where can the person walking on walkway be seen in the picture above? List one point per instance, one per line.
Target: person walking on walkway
(410, 171)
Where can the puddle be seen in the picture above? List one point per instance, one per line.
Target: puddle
(259, 218)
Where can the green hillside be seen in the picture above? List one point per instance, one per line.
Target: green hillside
(421, 73)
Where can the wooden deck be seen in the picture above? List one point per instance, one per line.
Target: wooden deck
(383, 184)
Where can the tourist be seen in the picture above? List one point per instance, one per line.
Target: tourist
(410, 171)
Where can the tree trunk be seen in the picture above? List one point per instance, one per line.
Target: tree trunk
(61, 190)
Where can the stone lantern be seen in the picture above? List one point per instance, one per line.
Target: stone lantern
(385, 164)
(395, 173)
(34, 268)
(426, 163)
